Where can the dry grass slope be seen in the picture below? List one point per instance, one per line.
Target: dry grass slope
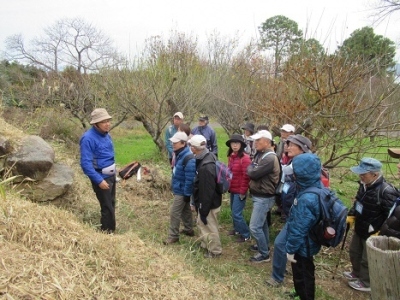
(50, 253)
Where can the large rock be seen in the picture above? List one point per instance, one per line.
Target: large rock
(56, 184)
(33, 159)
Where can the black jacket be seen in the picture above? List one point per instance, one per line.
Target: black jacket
(204, 187)
(376, 201)
(391, 226)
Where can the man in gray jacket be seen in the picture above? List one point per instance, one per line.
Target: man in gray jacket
(264, 176)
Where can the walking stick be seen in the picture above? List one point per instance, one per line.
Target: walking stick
(341, 250)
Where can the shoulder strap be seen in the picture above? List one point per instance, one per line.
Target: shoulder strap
(266, 154)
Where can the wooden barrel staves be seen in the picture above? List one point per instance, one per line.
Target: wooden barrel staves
(384, 267)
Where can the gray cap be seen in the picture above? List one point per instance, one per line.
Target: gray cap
(301, 141)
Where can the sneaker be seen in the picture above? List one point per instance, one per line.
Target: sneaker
(258, 258)
(187, 232)
(350, 276)
(233, 232)
(272, 282)
(211, 255)
(170, 241)
(254, 248)
(359, 286)
(242, 239)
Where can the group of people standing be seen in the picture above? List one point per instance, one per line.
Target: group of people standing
(259, 167)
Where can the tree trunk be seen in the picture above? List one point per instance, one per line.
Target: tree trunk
(384, 267)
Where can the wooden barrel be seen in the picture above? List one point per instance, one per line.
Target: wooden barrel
(384, 267)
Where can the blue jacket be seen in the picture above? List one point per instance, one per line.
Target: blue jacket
(305, 211)
(171, 130)
(210, 136)
(97, 152)
(183, 177)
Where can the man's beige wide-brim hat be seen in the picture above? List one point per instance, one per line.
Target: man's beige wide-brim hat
(98, 115)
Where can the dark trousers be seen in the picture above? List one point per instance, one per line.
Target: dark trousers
(303, 277)
(107, 204)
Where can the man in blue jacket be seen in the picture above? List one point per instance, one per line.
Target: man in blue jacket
(97, 162)
(183, 173)
(304, 214)
(169, 133)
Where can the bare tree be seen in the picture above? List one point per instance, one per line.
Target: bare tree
(68, 42)
(385, 8)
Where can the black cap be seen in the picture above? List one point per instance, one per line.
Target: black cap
(249, 127)
(204, 118)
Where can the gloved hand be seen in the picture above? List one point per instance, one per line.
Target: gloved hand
(290, 257)
(203, 218)
(350, 220)
(186, 199)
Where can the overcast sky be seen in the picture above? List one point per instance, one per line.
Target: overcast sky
(130, 22)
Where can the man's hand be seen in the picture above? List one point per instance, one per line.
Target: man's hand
(104, 185)
(242, 197)
(203, 219)
(290, 257)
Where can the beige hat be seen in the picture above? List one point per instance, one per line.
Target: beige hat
(98, 115)
(179, 136)
(197, 140)
(179, 115)
(393, 152)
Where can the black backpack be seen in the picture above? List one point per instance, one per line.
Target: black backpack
(333, 213)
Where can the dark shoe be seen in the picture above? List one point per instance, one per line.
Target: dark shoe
(232, 232)
(211, 255)
(258, 258)
(242, 239)
(170, 241)
(254, 248)
(187, 232)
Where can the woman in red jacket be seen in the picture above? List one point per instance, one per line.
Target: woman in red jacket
(238, 161)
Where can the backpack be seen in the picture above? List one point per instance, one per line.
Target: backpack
(186, 159)
(129, 170)
(223, 177)
(333, 213)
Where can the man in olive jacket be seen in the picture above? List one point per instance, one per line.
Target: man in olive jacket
(206, 198)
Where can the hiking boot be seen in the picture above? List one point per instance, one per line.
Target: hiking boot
(254, 248)
(211, 255)
(259, 258)
(272, 282)
(350, 276)
(232, 232)
(359, 286)
(187, 232)
(170, 241)
(242, 239)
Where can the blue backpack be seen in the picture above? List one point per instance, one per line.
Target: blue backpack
(333, 213)
(223, 177)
